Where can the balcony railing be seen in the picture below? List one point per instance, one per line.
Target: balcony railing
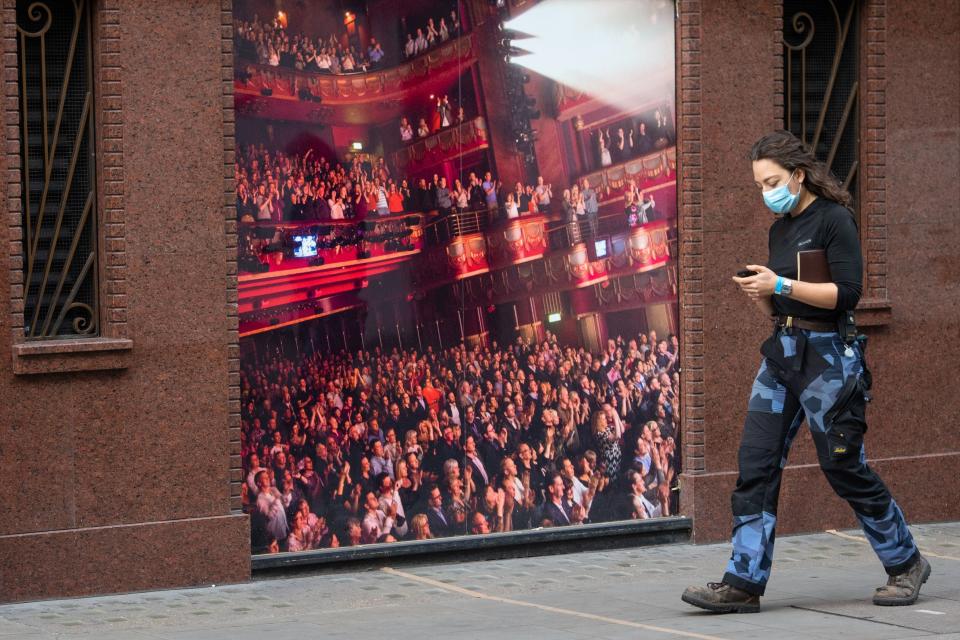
(444, 145)
(265, 246)
(284, 82)
(566, 234)
(661, 163)
(443, 229)
(561, 234)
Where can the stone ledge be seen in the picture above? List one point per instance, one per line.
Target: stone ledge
(874, 313)
(71, 355)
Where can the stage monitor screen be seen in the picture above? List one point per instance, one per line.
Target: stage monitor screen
(305, 246)
(600, 250)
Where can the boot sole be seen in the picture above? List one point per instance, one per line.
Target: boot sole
(903, 602)
(730, 607)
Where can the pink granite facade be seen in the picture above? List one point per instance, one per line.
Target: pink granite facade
(731, 91)
(117, 449)
(118, 453)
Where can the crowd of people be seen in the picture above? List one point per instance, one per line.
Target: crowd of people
(441, 116)
(275, 187)
(633, 138)
(271, 43)
(580, 203)
(431, 34)
(356, 448)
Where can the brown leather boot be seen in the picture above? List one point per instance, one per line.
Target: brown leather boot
(721, 597)
(903, 589)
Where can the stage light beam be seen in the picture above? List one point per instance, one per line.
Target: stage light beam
(620, 51)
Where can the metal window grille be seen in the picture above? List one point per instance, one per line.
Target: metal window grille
(57, 146)
(820, 41)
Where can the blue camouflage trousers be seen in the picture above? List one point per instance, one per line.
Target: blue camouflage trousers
(812, 375)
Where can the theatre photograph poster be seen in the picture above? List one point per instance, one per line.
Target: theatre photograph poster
(457, 267)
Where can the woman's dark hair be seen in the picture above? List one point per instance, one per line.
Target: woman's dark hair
(791, 153)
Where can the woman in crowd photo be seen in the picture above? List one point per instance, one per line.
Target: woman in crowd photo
(406, 130)
(603, 143)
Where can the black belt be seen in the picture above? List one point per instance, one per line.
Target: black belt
(800, 323)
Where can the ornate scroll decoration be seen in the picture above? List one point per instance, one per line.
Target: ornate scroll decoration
(565, 97)
(56, 124)
(800, 101)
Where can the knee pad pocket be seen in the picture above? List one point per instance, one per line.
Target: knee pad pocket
(845, 423)
(762, 432)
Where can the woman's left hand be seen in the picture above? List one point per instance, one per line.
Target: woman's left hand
(760, 285)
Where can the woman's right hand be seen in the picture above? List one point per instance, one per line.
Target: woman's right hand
(755, 287)
(761, 284)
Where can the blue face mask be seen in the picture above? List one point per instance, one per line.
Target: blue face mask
(781, 200)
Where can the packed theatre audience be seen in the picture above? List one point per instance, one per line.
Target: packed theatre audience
(270, 42)
(442, 115)
(274, 187)
(434, 32)
(357, 448)
(632, 138)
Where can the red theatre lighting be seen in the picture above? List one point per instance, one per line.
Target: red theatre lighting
(491, 308)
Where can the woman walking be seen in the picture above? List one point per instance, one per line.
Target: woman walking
(813, 368)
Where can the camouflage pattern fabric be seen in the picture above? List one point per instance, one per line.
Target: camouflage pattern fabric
(833, 404)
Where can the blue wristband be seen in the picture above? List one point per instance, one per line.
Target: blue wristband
(778, 289)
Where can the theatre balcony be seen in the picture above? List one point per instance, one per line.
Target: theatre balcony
(463, 142)
(355, 98)
(596, 253)
(649, 173)
(536, 251)
(502, 273)
(467, 244)
(302, 263)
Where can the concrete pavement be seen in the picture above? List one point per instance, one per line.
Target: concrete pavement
(821, 588)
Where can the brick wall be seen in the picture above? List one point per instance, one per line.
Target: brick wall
(230, 232)
(113, 293)
(690, 223)
(873, 212)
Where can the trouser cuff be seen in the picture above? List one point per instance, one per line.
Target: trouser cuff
(752, 588)
(897, 569)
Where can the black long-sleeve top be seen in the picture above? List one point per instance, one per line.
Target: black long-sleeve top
(824, 224)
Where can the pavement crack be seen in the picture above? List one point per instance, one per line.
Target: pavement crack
(846, 615)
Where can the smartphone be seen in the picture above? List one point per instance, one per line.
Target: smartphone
(745, 273)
